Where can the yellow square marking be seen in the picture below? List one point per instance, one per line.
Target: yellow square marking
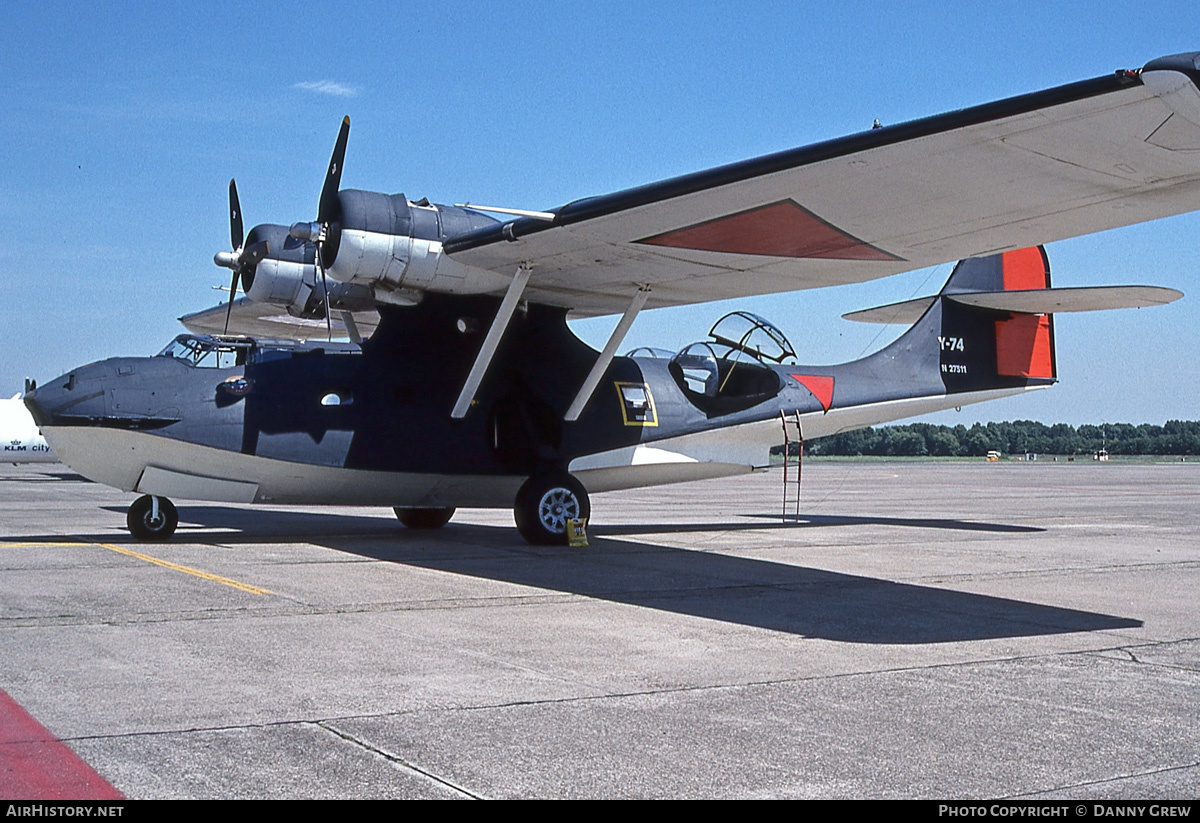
(637, 404)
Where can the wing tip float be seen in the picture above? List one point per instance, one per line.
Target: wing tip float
(256, 319)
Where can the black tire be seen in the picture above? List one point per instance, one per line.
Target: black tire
(142, 524)
(545, 503)
(423, 518)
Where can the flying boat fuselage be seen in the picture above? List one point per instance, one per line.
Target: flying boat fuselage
(244, 420)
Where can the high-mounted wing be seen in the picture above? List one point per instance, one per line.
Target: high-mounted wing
(1092, 155)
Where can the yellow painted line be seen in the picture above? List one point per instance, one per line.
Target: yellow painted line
(225, 581)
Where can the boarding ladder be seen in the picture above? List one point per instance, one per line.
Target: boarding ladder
(790, 477)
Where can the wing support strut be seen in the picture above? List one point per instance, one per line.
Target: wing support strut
(351, 328)
(490, 343)
(606, 356)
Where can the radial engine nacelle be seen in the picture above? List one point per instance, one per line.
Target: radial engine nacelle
(286, 275)
(391, 244)
(375, 247)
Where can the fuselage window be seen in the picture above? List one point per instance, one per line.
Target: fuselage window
(337, 398)
(227, 358)
(698, 369)
(651, 352)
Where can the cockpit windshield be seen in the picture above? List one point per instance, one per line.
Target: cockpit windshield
(731, 370)
(651, 352)
(745, 332)
(208, 352)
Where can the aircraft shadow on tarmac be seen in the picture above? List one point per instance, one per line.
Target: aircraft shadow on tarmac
(774, 521)
(63, 475)
(743, 590)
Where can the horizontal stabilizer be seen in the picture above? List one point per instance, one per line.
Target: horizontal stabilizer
(906, 313)
(1027, 301)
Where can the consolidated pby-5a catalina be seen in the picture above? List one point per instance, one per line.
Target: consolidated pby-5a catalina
(462, 384)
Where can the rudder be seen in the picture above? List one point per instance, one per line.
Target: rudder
(1024, 343)
(984, 348)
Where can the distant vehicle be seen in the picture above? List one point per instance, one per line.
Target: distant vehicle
(993, 456)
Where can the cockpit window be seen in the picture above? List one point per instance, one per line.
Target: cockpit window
(745, 332)
(207, 352)
(649, 351)
(698, 367)
(731, 370)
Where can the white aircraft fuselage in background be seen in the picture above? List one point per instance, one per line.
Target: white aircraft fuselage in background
(23, 443)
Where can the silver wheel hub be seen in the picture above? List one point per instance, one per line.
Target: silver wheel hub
(556, 507)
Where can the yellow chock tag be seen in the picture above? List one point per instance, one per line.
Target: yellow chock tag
(577, 533)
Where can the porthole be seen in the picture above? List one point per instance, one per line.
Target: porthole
(337, 398)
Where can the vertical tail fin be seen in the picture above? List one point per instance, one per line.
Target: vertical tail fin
(1005, 344)
(990, 329)
(961, 341)
(1010, 271)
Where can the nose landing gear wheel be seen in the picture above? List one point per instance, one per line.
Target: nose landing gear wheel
(423, 518)
(544, 505)
(145, 524)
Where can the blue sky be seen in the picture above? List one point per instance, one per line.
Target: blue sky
(124, 122)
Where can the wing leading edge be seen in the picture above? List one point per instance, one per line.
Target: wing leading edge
(1088, 156)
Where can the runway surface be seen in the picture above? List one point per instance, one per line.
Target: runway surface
(957, 630)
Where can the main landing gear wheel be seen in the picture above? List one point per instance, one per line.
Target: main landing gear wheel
(146, 525)
(544, 505)
(423, 518)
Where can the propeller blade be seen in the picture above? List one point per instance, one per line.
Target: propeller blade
(325, 293)
(328, 207)
(253, 253)
(229, 305)
(236, 234)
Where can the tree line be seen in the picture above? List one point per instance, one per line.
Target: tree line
(1175, 437)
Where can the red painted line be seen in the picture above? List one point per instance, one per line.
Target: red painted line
(36, 765)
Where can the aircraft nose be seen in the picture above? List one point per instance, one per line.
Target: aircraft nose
(35, 407)
(75, 397)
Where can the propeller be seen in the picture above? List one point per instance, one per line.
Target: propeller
(243, 258)
(325, 233)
